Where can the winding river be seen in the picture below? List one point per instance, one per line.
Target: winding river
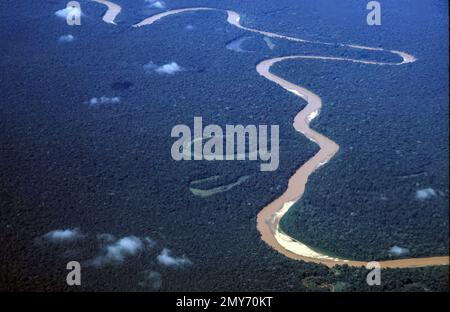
(269, 217)
(112, 11)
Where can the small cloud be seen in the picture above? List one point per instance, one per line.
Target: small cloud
(166, 259)
(104, 100)
(189, 27)
(169, 68)
(63, 13)
(426, 193)
(66, 38)
(129, 245)
(67, 235)
(156, 4)
(93, 101)
(117, 252)
(152, 279)
(398, 251)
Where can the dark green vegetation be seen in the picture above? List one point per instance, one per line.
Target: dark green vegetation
(108, 169)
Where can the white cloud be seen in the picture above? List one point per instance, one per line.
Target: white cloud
(63, 13)
(166, 259)
(117, 252)
(129, 245)
(169, 68)
(156, 4)
(425, 193)
(67, 235)
(189, 27)
(398, 251)
(93, 101)
(104, 100)
(112, 250)
(66, 38)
